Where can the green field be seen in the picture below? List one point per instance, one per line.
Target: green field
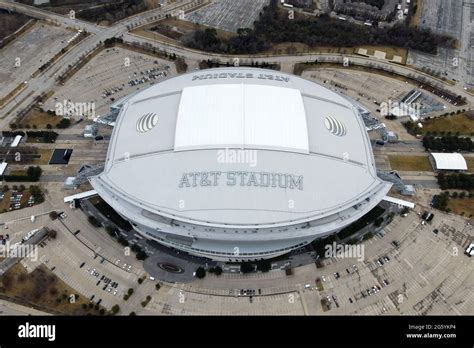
(458, 123)
(410, 163)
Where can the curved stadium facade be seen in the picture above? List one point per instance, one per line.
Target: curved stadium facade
(239, 164)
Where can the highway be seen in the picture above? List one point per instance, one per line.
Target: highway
(46, 81)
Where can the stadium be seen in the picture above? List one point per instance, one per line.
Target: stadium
(239, 164)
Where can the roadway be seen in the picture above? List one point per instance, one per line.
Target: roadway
(46, 81)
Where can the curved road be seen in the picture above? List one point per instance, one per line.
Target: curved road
(46, 81)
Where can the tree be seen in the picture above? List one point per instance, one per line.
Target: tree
(110, 230)
(93, 221)
(53, 215)
(246, 267)
(64, 123)
(378, 222)
(52, 234)
(115, 309)
(217, 270)
(264, 266)
(141, 255)
(200, 272)
(34, 173)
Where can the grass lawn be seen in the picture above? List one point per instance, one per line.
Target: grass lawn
(43, 289)
(319, 284)
(415, 20)
(457, 123)
(470, 164)
(5, 202)
(410, 163)
(459, 206)
(40, 119)
(45, 157)
(18, 172)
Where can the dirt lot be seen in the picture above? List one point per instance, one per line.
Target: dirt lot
(410, 163)
(43, 289)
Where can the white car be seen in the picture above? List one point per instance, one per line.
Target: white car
(470, 250)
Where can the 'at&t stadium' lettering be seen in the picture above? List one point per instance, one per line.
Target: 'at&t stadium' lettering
(257, 179)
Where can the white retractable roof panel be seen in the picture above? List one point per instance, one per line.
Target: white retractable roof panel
(241, 115)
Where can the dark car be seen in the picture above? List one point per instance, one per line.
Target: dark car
(99, 137)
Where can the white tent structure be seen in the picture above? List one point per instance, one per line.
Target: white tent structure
(449, 161)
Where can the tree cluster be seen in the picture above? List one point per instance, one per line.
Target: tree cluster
(441, 201)
(275, 27)
(448, 143)
(113, 10)
(460, 181)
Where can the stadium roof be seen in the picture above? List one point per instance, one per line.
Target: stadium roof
(169, 138)
(449, 161)
(242, 116)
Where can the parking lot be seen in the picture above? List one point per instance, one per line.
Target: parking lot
(368, 89)
(455, 19)
(109, 76)
(442, 17)
(84, 269)
(401, 277)
(31, 50)
(228, 15)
